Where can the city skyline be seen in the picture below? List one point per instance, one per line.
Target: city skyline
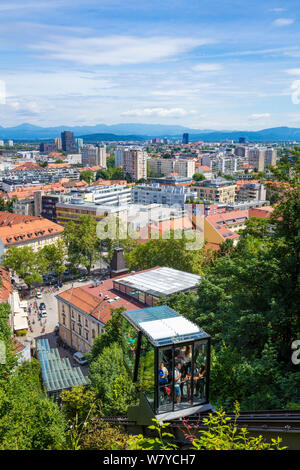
(204, 65)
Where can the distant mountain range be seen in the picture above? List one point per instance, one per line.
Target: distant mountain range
(142, 132)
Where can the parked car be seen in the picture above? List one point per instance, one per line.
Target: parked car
(44, 313)
(79, 357)
(42, 306)
(82, 279)
(38, 295)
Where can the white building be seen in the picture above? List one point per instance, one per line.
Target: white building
(159, 194)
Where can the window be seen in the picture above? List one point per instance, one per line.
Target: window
(129, 344)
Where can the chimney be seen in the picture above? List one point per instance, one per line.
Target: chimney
(117, 265)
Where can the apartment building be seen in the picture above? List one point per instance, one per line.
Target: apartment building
(261, 157)
(226, 164)
(135, 163)
(217, 189)
(252, 192)
(165, 166)
(94, 156)
(225, 226)
(161, 194)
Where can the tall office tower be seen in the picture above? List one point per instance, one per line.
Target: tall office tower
(79, 144)
(185, 138)
(1, 143)
(68, 142)
(10, 143)
(58, 143)
(135, 163)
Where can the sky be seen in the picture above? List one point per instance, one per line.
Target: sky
(204, 64)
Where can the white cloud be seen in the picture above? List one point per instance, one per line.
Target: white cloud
(277, 10)
(283, 22)
(162, 112)
(117, 50)
(295, 71)
(260, 116)
(207, 67)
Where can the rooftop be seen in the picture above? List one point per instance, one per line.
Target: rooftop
(162, 325)
(57, 372)
(161, 282)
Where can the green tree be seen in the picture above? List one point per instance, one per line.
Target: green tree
(110, 380)
(198, 177)
(87, 176)
(52, 258)
(81, 242)
(171, 252)
(28, 419)
(23, 261)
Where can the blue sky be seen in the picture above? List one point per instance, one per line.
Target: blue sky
(218, 64)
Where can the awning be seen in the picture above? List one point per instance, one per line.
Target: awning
(20, 322)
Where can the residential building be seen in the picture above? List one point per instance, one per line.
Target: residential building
(165, 166)
(94, 156)
(58, 143)
(261, 157)
(161, 194)
(225, 226)
(173, 180)
(24, 230)
(48, 147)
(217, 189)
(252, 191)
(135, 163)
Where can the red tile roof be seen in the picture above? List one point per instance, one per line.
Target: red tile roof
(87, 299)
(6, 286)
(17, 228)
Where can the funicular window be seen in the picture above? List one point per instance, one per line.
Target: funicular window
(146, 370)
(200, 371)
(165, 380)
(129, 338)
(183, 356)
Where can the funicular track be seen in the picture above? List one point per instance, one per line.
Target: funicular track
(283, 423)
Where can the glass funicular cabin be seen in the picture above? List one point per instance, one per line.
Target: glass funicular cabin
(168, 359)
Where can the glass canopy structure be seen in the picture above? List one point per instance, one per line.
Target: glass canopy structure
(167, 357)
(57, 373)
